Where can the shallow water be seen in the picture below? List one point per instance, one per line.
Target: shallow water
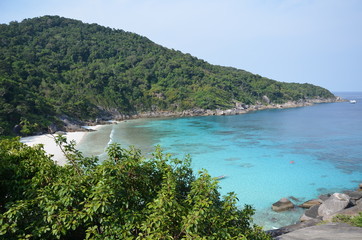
(265, 155)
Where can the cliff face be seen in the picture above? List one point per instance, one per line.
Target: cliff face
(51, 66)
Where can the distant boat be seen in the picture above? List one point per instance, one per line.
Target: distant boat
(353, 101)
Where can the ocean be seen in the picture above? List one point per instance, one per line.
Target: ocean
(264, 155)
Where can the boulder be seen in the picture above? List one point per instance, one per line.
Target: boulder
(311, 203)
(311, 213)
(282, 205)
(333, 204)
(354, 195)
(352, 211)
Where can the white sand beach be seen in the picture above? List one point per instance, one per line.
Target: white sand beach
(50, 146)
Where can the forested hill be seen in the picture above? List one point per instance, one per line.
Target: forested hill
(52, 66)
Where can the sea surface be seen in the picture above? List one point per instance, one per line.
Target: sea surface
(264, 155)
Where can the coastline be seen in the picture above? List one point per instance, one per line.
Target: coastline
(238, 109)
(49, 145)
(77, 132)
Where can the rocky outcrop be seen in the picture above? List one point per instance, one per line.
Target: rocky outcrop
(325, 208)
(293, 227)
(333, 204)
(348, 203)
(311, 213)
(239, 108)
(352, 211)
(330, 231)
(283, 204)
(70, 124)
(355, 196)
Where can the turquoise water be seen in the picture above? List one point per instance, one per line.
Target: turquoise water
(265, 155)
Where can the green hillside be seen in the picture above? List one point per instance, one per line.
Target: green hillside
(52, 66)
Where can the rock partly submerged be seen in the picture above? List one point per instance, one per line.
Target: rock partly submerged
(324, 209)
(283, 204)
(311, 203)
(347, 203)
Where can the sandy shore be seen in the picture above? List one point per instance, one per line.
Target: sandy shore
(49, 143)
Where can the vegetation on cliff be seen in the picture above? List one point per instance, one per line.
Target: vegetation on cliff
(50, 66)
(124, 197)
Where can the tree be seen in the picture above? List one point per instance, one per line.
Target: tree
(124, 197)
(51, 66)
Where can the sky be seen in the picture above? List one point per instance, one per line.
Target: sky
(304, 41)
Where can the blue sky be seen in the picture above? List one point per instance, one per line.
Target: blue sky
(314, 41)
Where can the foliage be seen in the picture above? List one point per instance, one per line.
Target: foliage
(354, 221)
(52, 65)
(124, 197)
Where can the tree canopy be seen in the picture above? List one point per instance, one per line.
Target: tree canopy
(124, 197)
(51, 66)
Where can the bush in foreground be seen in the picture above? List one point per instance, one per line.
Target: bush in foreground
(123, 197)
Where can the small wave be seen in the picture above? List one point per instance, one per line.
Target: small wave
(111, 136)
(104, 154)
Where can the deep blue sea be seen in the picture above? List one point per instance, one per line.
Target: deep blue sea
(265, 155)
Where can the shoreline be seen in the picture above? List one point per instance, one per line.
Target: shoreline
(49, 145)
(77, 132)
(237, 110)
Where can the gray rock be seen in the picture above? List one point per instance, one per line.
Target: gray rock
(310, 203)
(324, 197)
(282, 205)
(329, 231)
(354, 195)
(333, 204)
(293, 227)
(352, 211)
(358, 202)
(311, 213)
